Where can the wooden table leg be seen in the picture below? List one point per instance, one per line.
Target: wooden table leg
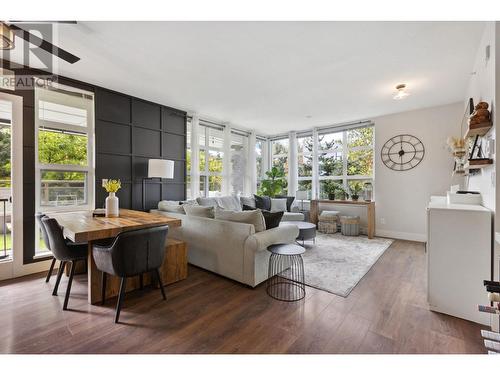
(371, 220)
(94, 279)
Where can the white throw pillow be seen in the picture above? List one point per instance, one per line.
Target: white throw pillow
(179, 209)
(278, 204)
(228, 203)
(201, 211)
(253, 217)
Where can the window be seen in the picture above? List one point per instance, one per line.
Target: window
(239, 152)
(345, 158)
(211, 153)
(260, 156)
(64, 122)
(304, 162)
(188, 158)
(279, 154)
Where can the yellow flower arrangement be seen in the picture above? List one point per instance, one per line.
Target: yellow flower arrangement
(112, 186)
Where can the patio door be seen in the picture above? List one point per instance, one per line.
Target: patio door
(10, 132)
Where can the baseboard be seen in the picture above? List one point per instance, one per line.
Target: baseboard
(401, 235)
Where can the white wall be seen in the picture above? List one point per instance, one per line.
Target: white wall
(482, 88)
(401, 197)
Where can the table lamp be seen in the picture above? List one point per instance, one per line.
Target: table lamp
(157, 168)
(301, 195)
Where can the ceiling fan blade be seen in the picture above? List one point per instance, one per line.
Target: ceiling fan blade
(36, 22)
(43, 44)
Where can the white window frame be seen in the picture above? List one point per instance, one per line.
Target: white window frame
(301, 154)
(276, 156)
(206, 174)
(345, 149)
(265, 160)
(89, 169)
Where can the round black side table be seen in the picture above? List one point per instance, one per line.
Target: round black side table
(286, 273)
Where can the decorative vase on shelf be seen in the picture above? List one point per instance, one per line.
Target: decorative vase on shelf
(112, 205)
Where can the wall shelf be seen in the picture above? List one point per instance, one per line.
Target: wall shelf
(480, 163)
(480, 129)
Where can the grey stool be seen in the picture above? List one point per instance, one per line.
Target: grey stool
(286, 273)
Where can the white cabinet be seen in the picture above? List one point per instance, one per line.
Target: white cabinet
(458, 259)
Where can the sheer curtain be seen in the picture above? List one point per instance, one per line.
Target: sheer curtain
(226, 161)
(251, 166)
(292, 163)
(195, 157)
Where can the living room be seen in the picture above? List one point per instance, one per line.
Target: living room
(248, 186)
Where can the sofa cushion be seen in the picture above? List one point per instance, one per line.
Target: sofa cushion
(293, 216)
(278, 204)
(248, 201)
(165, 203)
(207, 202)
(272, 219)
(262, 202)
(289, 201)
(229, 203)
(253, 217)
(201, 211)
(172, 208)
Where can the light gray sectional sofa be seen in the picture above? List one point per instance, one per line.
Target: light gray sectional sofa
(231, 249)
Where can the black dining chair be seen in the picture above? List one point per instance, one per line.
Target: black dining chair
(132, 253)
(45, 238)
(64, 253)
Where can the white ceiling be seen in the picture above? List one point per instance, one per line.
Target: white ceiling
(273, 76)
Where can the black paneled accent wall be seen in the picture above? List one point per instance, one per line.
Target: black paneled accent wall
(129, 132)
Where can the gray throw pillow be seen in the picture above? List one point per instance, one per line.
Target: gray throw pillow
(278, 204)
(207, 202)
(249, 217)
(201, 211)
(163, 204)
(179, 209)
(248, 201)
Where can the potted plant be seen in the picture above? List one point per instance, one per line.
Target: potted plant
(112, 203)
(356, 188)
(275, 184)
(334, 190)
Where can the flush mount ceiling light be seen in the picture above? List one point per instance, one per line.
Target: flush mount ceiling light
(402, 93)
(6, 37)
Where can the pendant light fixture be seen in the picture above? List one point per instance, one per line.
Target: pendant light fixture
(401, 92)
(6, 37)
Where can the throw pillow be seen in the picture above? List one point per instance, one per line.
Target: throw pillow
(272, 219)
(289, 202)
(179, 209)
(163, 204)
(201, 211)
(207, 202)
(253, 217)
(278, 204)
(264, 203)
(229, 202)
(249, 201)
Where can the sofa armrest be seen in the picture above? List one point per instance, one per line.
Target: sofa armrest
(262, 240)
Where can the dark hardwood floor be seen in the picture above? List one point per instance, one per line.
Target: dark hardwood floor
(385, 313)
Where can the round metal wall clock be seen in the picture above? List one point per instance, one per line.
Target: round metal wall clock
(402, 152)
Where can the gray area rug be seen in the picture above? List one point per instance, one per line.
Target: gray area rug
(337, 263)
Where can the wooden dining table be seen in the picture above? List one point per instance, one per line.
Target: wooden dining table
(83, 227)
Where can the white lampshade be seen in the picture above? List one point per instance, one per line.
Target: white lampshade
(160, 168)
(300, 195)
